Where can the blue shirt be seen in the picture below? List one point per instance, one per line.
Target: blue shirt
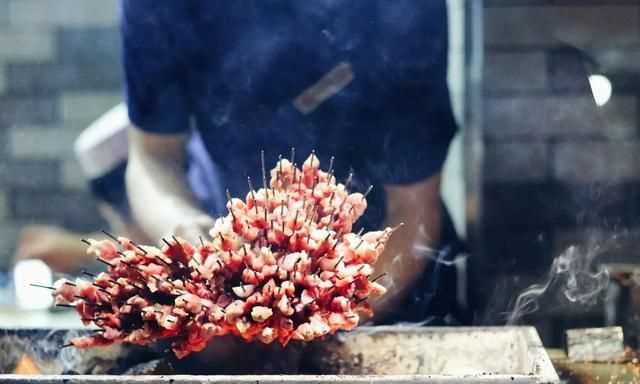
(239, 70)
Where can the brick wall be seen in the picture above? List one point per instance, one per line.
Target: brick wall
(59, 70)
(557, 168)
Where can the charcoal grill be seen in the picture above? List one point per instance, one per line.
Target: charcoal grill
(394, 354)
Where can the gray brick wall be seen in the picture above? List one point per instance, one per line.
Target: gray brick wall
(59, 70)
(558, 169)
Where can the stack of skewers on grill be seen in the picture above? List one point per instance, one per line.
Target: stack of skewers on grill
(283, 264)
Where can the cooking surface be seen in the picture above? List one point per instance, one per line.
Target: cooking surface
(400, 354)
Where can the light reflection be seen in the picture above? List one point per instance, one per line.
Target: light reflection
(601, 88)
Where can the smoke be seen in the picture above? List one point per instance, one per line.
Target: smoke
(574, 274)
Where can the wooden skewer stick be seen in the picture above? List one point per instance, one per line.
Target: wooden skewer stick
(295, 171)
(293, 155)
(86, 242)
(264, 170)
(367, 192)
(331, 160)
(233, 216)
(349, 180)
(65, 305)
(88, 274)
(103, 261)
(111, 236)
(383, 274)
(66, 345)
(42, 286)
(338, 262)
(144, 251)
(253, 195)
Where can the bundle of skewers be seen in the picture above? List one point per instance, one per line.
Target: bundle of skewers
(282, 265)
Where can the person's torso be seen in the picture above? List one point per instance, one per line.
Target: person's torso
(251, 64)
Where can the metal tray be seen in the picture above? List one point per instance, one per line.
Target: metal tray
(393, 354)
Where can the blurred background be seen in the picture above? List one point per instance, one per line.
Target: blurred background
(545, 93)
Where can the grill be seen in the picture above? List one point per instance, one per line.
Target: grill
(393, 354)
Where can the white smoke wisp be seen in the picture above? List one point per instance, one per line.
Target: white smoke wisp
(574, 274)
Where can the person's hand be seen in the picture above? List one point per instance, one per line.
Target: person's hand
(194, 229)
(57, 247)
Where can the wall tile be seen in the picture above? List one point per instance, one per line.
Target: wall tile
(89, 46)
(3, 79)
(515, 71)
(33, 143)
(4, 205)
(518, 160)
(560, 116)
(546, 205)
(28, 110)
(26, 44)
(72, 209)
(37, 78)
(63, 12)
(550, 25)
(30, 174)
(8, 237)
(85, 107)
(593, 161)
(73, 176)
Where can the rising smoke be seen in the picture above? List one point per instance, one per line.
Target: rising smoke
(575, 274)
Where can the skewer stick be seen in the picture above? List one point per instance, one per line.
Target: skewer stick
(383, 274)
(66, 345)
(167, 243)
(253, 195)
(103, 261)
(201, 241)
(349, 180)
(69, 283)
(367, 192)
(331, 165)
(360, 231)
(295, 171)
(338, 262)
(86, 242)
(88, 274)
(230, 207)
(42, 286)
(65, 305)
(264, 170)
(144, 251)
(313, 155)
(293, 155)
(279, 166)
(111, 236)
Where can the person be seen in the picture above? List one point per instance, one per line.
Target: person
(102, 152)
(364, 81)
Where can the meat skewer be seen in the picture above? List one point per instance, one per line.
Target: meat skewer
(282, 265)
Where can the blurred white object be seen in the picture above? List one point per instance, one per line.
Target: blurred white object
(104, 144)
(32, 271)
(601, 88)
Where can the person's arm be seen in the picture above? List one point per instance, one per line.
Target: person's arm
(160, 199)
(418, 207)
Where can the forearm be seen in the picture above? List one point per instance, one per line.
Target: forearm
(158, 192)
(407, 254)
